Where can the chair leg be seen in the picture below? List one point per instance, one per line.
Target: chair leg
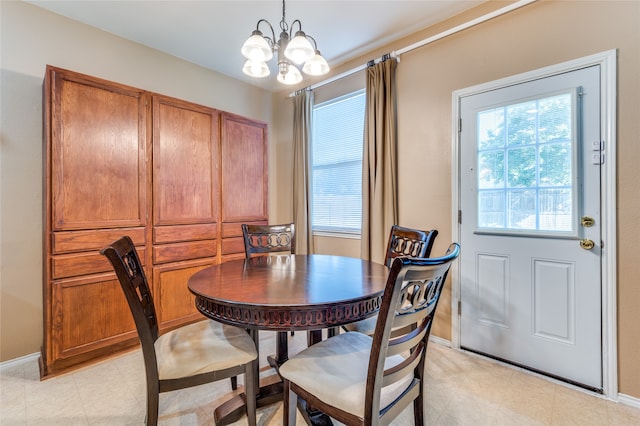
(153, 402)
(250, 390)
(290, 404)
(418, 409)
(234, 383)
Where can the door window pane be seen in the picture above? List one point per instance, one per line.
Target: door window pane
(526, 165)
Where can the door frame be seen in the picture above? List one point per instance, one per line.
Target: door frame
(608, 87)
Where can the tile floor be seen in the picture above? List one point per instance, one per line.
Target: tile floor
(462, 390)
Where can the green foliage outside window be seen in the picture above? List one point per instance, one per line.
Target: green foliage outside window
(523, 148)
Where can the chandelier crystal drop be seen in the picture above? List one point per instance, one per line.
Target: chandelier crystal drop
(291, 50)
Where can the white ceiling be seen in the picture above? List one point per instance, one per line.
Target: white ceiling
(210, 32)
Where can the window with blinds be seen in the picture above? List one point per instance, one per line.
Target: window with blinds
(336, 164)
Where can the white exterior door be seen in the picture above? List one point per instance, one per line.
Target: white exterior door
(530, 266)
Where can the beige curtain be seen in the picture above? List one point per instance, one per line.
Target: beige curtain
(302, 108)
(379, 162)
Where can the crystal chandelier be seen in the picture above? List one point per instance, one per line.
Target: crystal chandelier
(292, 51)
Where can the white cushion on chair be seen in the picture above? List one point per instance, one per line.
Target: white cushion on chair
(366, 326)
(202, 347)
(335, 371)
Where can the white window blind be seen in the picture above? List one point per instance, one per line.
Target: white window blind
(336, 164)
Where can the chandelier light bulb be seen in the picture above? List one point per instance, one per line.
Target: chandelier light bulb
(256, 69)
(292, 76)
(256, 48)
(316, 65)
(299, 49)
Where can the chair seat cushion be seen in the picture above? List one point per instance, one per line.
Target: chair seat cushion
(335, 371)
(202, 347)
(367, 326)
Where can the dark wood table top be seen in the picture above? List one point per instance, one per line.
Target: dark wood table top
(290, 292)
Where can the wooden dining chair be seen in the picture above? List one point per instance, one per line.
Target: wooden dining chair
(191, 355)
(402, 242)
(333, 376)
(261, 239)
(264, 239)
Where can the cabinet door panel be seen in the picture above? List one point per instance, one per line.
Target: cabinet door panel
(89, 314)
(174, 302)
(98, 154)
(244, 169)
(185, 147)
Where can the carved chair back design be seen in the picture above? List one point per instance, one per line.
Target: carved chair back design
(128, 268)
(268, 239)
(409, 242)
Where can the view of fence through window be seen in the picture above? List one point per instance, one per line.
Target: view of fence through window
(336, 164)
(526, 165)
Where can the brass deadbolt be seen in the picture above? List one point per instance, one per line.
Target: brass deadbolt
(587, 221)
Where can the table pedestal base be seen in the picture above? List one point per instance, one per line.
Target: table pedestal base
(233, 409)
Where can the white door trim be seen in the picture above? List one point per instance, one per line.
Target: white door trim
(608, 81)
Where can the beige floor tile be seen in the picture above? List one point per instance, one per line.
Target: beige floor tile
(573, 407)
(622, 415)
(462, 389)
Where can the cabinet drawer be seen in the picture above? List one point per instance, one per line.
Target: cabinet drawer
(177, 233)
(72, 265)
(234, 229)
(232, 245)
(77, 241)
(183, 251)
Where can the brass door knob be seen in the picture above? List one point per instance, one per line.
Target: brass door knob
(587, 244)
(587, 221)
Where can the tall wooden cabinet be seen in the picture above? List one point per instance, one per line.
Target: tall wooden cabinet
(178, 178)
(243, 160)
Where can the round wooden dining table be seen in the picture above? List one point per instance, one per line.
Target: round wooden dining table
(286, 293)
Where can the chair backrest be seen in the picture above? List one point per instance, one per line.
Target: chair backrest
(404, 323)
(409, 242)
(269, 238)
(125, 261)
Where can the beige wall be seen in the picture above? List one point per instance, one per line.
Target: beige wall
(541, 34)
(31, 38)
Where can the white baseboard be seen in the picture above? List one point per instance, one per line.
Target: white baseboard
(440, 341)
(631, 401)
(19, 361)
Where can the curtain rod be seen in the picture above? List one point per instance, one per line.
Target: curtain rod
(428, 40)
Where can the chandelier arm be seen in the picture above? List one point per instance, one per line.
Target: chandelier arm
(272, 40)
(315, 45)
(291, 28)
